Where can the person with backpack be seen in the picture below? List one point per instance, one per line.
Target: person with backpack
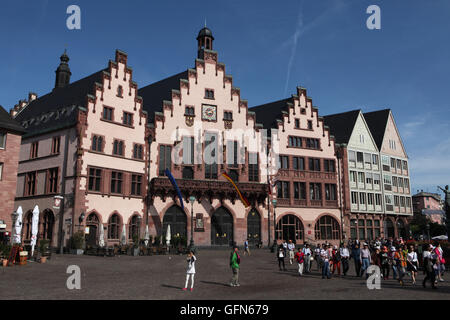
(280, 256)
(190, 272)
(400, 262)
(300, 257)
(336, 257)
(235, 260)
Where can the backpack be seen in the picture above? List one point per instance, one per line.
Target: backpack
(238, 259)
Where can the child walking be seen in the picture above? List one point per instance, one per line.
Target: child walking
(190, 272)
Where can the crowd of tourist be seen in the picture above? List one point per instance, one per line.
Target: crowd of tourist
(387, 254)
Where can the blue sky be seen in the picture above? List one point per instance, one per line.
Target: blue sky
(269, 47)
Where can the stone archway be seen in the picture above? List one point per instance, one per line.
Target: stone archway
(290, 227)
(254, 227)
(177, 219)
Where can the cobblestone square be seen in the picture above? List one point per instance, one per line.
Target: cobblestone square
(163, 276)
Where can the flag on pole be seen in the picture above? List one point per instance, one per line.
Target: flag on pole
(243, 199)
(175, 186)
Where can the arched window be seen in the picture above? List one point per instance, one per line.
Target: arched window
(176, 218)
(134, 227)
(47, 225)
(113, 226)
(119, 91)
(327, 228)
(289, 227)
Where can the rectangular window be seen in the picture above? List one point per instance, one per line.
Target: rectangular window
(405, 165)
(361, 177)
(406, 182)
(376, 179)
(165, 153)
(284, 162)
(127, 119)
(189, 111)
(315, 191)
(329, 165)
(396, 201)
(388, 199)
(55, 145)
(253, 167)
(2, 140)
(314, 164)
(387, 179)
(377, 199)
(312, 143)
(392, 163)
(209, 94)
(367, 158)
(52, 180)
(107, 114)
(402, 202)
(136, 185)
(283, 189)
(399, 164)
(369, 179)
(300, 190)
(30, 184)
(310, 125)
(295, 142)
(188, 150)
(330, 192)
(118, 148)
(385, 160)
(408, 202)
(354, 197)
(138, 151)
(1, 170)
(370, 199)
(375, 159)
(362, 198)
(34, 150)
(359, 157)
(232, 153)
(297, 123)
(352, 157)
(228, 115)
(353, 176)
(394, 181)
(116, 182)
(97, 143)
(211, 166)
(298, 163)
(95, 179)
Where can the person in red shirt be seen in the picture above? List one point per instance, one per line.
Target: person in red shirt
(300, 258)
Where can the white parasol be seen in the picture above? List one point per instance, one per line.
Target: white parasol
(146, 235)
(18, 226)
(442, 237)
(101, 240)
(123, 237)
(168, 237)
(34, 228)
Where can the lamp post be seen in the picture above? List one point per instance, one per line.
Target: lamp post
(339, 157)
(191, 244)
(274, 203)
(14, 217)
(428, 231)
(80, 220)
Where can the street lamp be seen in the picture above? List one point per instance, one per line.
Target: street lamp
(428, 231)
(274, 203)
(339, 157)
(191, 244)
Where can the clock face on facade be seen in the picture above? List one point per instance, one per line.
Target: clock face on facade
(209, 113)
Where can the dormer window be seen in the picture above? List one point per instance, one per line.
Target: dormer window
(209, 94)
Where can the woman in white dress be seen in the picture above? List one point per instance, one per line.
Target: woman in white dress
(190, 272)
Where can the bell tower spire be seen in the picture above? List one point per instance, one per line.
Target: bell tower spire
(63, 72)
(205, 41)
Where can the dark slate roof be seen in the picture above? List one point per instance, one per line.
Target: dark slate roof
(428, 194)
(377, 121)
(56, 109)
(8, 123)
(154, 94)
(267, 114)
(205, 32)
(341, 125)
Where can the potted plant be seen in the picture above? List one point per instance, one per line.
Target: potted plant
(5, 250)
(43, 248)
(135, 245)
(77, 243)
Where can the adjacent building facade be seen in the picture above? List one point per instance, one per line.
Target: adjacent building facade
(10, 136)
(430, 205)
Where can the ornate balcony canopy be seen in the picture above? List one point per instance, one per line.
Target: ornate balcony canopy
(208, 189)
